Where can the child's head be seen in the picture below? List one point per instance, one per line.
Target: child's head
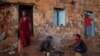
(49, 37)
(77, 36)
(86, 15)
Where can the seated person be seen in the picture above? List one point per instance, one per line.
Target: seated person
(46, 45)
(79, 46)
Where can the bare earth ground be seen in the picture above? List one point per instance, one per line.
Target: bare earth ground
(33, 50)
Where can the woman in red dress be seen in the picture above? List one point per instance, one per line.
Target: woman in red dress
(25, 28)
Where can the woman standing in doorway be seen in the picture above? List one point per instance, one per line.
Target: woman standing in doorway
(25, 28)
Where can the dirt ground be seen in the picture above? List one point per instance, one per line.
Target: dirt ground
(27, 51)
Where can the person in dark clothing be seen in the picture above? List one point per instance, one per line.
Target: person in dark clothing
(79, 46)
(46, 45)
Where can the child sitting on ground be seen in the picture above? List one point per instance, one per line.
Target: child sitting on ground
(79, 46)
(46, 45)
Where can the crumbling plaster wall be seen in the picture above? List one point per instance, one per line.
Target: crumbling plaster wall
(9, 22)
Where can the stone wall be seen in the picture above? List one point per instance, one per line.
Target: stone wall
(8, 22)
(43, 16)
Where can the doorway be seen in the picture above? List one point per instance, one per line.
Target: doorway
(29, 11)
